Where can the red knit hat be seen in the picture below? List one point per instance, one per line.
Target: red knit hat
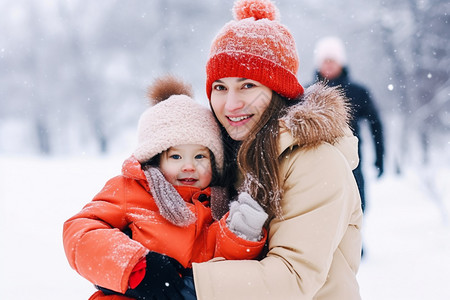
(255, 46)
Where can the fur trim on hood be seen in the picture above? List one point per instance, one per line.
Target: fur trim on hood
(321, 116)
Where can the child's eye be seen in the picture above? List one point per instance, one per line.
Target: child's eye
(200, 156)
(175, 156)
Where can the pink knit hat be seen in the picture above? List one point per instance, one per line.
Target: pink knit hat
(176, 119)
(255, 46)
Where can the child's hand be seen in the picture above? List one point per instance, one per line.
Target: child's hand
(162, 279)
(246, 217)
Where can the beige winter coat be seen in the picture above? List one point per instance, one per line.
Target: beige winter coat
(314, 250)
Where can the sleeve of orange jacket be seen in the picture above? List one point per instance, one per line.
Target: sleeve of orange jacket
(94, 243)
(230, 246)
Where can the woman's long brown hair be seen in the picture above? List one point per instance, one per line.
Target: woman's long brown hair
(257, 158)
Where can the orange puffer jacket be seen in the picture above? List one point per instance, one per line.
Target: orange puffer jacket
(98, 250)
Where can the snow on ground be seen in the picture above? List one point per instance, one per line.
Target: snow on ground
(406, 235)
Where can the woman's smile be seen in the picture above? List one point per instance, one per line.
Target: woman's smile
(240, 120)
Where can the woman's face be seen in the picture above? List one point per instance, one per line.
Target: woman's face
(238, 104)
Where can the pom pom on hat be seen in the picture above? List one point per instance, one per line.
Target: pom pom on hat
(166, 86)
(258, 9)
(176, 119)
(255, 46)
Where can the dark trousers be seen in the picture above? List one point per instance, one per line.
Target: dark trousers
(360, 182)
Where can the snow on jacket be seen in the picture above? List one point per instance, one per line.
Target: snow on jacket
(315, 248)
(99, 250)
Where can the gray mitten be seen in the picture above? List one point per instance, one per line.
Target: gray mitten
(246, 218)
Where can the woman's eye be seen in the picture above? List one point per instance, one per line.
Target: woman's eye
(219, 87)
(248, 85)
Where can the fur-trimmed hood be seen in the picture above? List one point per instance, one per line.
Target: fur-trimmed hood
(322, 115)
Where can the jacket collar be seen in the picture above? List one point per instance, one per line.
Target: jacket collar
(322, 115)
(341, 80)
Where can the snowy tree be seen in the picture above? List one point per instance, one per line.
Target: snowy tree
(416, 36)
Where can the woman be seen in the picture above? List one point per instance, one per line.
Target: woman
(293, 150)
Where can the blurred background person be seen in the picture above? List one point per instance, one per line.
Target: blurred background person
(330, 59)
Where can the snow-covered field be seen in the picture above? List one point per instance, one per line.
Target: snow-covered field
(406, 234)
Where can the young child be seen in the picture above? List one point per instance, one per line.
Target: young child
(162, 212)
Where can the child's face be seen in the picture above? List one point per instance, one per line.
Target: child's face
(188, 165)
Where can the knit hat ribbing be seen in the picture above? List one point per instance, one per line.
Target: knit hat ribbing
(255, 46)
(176, 120)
